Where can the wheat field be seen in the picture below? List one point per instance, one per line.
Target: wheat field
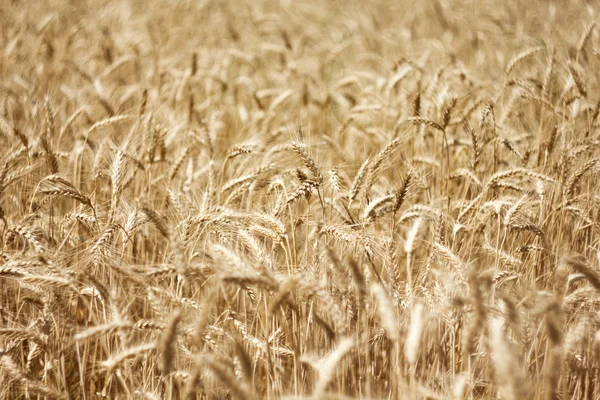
(263, 199)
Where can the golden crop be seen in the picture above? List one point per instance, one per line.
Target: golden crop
(262, 199)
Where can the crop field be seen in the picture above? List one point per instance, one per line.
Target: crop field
(278, 199)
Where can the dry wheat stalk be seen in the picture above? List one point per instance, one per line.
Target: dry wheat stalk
(519, 58)
(117, 359)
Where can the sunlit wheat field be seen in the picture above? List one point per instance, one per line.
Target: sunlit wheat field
(263, 199)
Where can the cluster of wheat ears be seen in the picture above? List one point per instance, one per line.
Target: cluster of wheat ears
(281, 199)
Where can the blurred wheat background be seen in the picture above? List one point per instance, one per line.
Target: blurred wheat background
(299, 199)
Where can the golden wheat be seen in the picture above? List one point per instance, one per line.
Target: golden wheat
(296, 199)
